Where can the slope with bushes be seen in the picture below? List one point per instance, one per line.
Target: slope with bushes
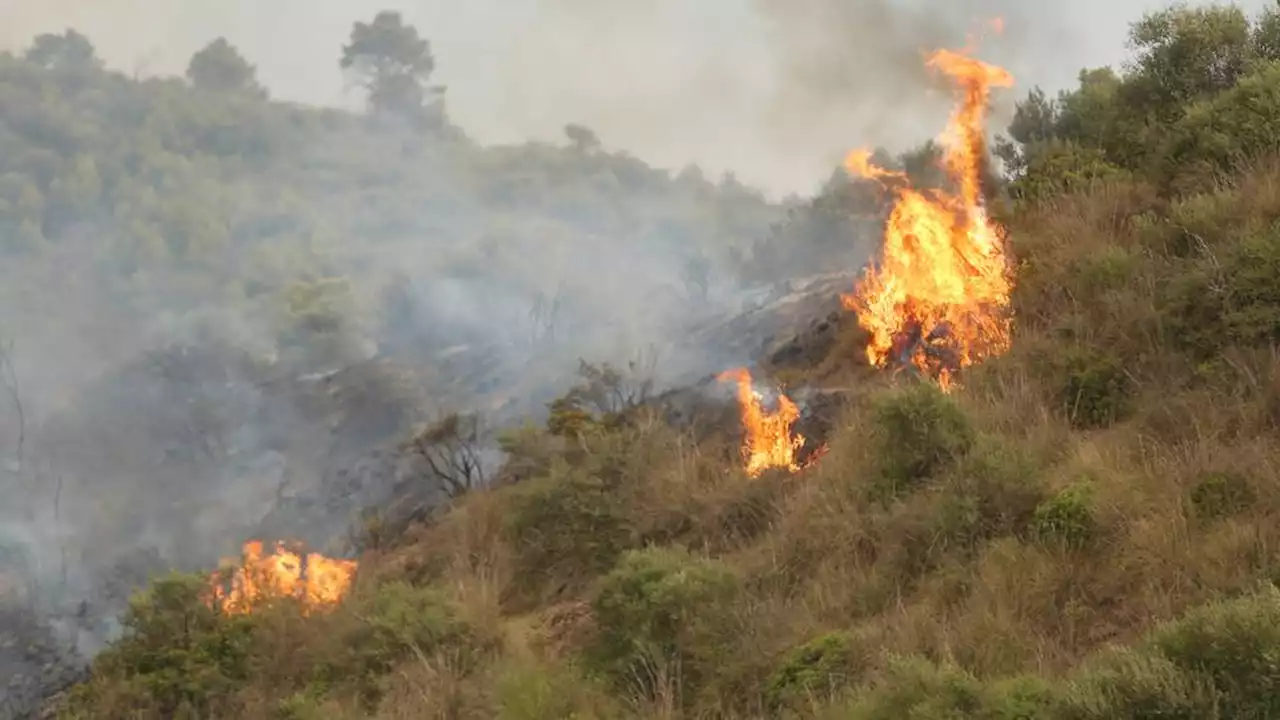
(1085, 528)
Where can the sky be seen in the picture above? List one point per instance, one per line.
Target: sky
(775, 91)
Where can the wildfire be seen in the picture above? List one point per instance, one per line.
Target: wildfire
(318, 583)
(938, 299)
(769, 442)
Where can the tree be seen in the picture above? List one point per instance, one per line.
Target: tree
(220, 68)
(393, 64)
(1185, 54)
(582, 138)
(696, 274)
(68, 51)
(449, 453)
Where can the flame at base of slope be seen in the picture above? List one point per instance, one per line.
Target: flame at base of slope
(313, 580)
(938, 298)
(768, 441)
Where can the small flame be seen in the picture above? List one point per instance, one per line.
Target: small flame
(769, 442)
(938, 298)
(318, 583)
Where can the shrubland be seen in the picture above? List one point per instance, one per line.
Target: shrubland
(1085, 527)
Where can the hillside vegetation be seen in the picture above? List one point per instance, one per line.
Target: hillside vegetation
(1088, 527)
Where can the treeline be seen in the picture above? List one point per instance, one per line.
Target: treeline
(1200, 95)
(172, 195)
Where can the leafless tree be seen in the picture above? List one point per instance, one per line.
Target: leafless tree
(544, 315)
(9, 377)
(608, 390)
(449, 451)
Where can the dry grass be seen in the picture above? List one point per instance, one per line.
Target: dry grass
(1046, 537)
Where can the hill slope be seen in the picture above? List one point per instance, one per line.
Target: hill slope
(1084, 528)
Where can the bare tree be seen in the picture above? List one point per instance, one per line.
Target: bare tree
(544, 314)
(9, 377)
(449, 451)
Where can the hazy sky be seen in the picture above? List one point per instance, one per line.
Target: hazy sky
(775, 90)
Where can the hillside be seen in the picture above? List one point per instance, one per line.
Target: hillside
(1081, 523)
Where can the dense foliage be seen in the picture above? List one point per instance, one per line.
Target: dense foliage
(164, 197)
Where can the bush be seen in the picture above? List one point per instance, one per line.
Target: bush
(1095, 390)
(917, 432)
(995, 492)
(1066, 520)
(817, 669)
(1234, 299)
(916, 688)
(662, 611)
(1234, 648)
(1128, 684)
(1057, 168)
(566, 529)
(1217, 134)
(379, 630)
(539, 692)
(179, 658)
(1219, 495)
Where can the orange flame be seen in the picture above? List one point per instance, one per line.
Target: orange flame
(769, 442)
(944, 273)
(319, 583)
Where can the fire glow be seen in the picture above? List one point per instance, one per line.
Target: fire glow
(938, 297)
(768, 441)
(316, 582)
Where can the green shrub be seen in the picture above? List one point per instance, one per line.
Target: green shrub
(1022, 698)
(1218, 495)
(917, 432)
(541, 692)
(1055, 168)
(916, 689)
(817, 669)
(566, 529)
(1066, 520)
(1231, 299)
(661, 610)
(1095, 390)
(1129, 684)
(178, 658)
(1219, 661)
(380, 629)
(994, 492)
(1234, 647)
(1216, 135)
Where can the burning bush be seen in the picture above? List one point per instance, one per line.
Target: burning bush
(314, 581)
(938, 299)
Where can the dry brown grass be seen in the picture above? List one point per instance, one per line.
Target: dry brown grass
(994, 564)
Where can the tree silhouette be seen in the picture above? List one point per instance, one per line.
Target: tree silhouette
(220, 68)
(393, 63)
(68, 51)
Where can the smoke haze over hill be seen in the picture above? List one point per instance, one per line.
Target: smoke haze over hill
(774, 91)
